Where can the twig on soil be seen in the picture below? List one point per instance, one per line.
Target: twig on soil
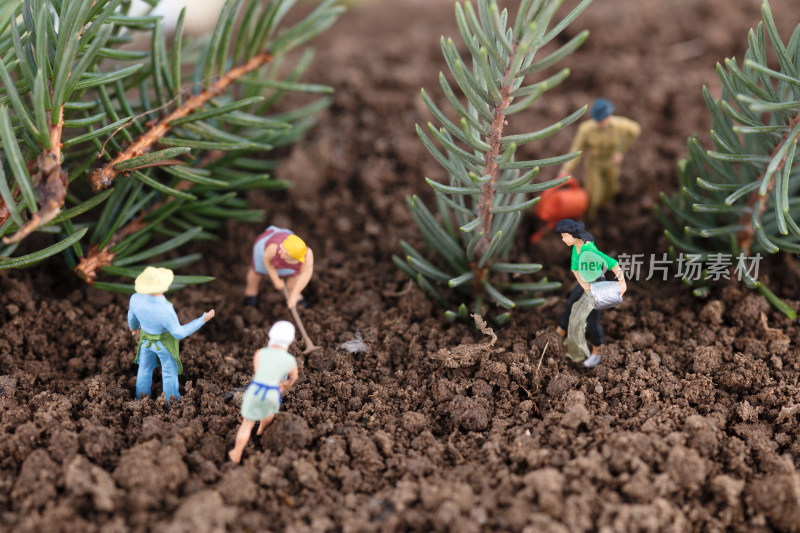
(536, 374)
(536, 378)
(486, 330)
(405, 290)
(457, 457)
(772, 334)
(465, 355)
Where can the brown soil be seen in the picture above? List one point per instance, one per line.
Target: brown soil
(687, 425)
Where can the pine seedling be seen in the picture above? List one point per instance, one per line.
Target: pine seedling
(742, 198)
(128, 155)
(481, 202)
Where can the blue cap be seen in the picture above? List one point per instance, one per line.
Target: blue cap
(601, 109)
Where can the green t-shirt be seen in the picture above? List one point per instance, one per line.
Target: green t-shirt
(590, 246)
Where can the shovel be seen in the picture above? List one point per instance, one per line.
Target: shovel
(310, 347)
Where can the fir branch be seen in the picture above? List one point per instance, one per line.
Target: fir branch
(50, 180)
(490, 167)
(726, 195)
(54, 84)
(745, 237)
(102, 178)
(98, 258)
(486, 193)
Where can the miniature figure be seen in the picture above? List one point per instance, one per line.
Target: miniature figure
(275, 373)
(589, 296)
(280, 254)
(154, 318)
(604, 139)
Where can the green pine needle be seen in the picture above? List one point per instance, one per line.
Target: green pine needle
(67, 78)
(743, 191)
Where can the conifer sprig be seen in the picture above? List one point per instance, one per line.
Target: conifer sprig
(487, 189)
(129, 154)
(742, 196)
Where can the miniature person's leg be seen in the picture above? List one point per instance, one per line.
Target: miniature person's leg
(242, 438)
(148, 361)
(596, 333)
(611, 180)
(577, 350)
(262, 425)
(574, 296)
(169, 374)
(594, 188)
(257, 268)
(597, 337)
(253, 280)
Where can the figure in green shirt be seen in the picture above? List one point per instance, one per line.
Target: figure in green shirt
(588, 265)
(603, 141)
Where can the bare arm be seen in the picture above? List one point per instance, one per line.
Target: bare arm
(287, 384)
(269, 254)
(255, 361)
(179, 331)
(582, 282)
(306, 271)
(623, 286)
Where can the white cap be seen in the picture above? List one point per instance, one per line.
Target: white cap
(281, 333)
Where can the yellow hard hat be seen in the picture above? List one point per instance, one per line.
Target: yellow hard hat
(154, 280)
(296, 248)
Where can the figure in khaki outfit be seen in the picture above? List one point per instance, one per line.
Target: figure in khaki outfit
(603, 141)
(276, 372)
(159, 331)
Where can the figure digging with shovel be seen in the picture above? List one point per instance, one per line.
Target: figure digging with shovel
(283, 257)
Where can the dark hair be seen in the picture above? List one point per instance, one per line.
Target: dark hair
(574, 228)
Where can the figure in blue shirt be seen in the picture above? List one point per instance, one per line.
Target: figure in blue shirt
(159, 331)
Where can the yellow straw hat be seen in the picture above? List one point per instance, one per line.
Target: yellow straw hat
(296, 248)
(154, 280)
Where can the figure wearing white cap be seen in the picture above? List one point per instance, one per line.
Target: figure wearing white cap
(159, 331)
(276, 372)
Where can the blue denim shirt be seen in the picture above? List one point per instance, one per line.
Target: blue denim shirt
(155, 315)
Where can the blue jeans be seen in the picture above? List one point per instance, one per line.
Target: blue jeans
(149, 359)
